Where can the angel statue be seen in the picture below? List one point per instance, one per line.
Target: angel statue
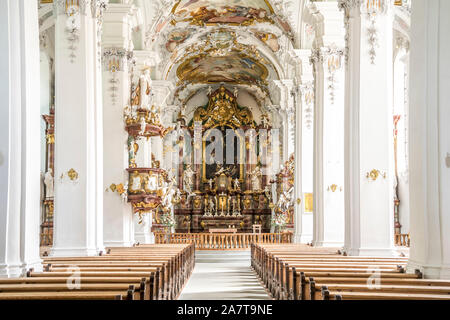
(285, 200)
(211, 206)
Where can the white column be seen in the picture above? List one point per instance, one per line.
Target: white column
(329, 220)
(369, 228)
(318, 165)
(429, 139)
(142, 231)
(118, 215)
(307, 94)
(19, 139)
(78, 126)
(298, 193)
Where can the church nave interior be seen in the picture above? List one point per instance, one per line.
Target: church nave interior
(224, 150)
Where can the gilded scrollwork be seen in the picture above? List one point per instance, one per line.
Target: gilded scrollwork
(223, 110)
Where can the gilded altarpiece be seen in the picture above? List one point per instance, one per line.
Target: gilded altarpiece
(223, 194)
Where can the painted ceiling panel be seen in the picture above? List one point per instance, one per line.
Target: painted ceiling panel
(222, 11)
(234, 68)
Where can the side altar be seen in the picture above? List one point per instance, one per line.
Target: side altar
(230, 187)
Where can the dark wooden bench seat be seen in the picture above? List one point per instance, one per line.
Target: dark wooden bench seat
(331, 295)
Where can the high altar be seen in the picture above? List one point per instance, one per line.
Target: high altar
(219, 194)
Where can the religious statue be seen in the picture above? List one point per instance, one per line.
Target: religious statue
(220, 169)
(265, 121)
(49, 186)
(211, 206)
(144, 84)
(131, 152)
(237, 184)
(285, 200)
(143, 127)
(256, 175)
(154, 115)
(211, 182)
(188, 179)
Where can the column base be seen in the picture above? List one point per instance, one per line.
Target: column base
(429, 271)
(372, 252)
(73, 252)
(11, 271)
(36, 266)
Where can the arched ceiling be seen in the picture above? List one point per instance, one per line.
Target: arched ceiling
(242, 43)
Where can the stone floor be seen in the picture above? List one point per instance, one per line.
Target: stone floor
(223, 275)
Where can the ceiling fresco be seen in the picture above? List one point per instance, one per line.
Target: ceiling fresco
(233, 68)
(239, 12)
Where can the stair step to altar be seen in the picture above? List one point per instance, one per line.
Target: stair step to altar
(223, 275)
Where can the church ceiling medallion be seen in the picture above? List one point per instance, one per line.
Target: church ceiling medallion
(210, 12)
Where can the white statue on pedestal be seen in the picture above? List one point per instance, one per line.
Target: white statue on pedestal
(144, 82)
(49, 186)
(256, 175)
(210, 184)
(237, 184)
(188, 179)
(143, 127)
(211, 206)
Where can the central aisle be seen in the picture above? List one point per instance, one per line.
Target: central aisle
(223, 275)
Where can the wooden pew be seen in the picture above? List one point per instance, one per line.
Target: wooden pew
(300, 272)
(142, 272)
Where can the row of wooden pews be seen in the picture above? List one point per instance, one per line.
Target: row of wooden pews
(143, 272)
(300, 272)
